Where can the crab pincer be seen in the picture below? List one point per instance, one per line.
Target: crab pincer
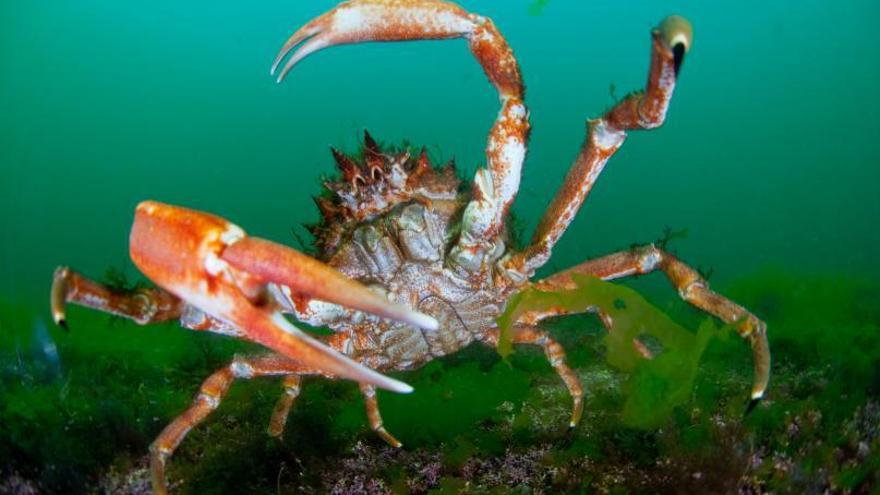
(212, 265)
(496, 185)
(359, 21)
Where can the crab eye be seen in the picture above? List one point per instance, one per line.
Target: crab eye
(678, 35)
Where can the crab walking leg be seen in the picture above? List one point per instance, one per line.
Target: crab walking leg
(401, 20)
(143, 305)
(182, 251)
(555, 354)
(690, 286)
(210, 394)
(605, 135)
(292, 386)
(371, 404)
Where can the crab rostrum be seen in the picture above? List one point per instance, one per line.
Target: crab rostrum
(411, 267)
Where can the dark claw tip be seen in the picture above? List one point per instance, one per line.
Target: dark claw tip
(752, 404)
(63, 324)
(678, 52)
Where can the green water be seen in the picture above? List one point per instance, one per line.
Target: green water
(769, 157)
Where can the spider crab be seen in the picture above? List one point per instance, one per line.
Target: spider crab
(411, 268)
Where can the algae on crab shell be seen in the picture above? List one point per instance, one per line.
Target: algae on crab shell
(660, 355)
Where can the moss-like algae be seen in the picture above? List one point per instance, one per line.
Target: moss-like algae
(659, 381)
(481, 425)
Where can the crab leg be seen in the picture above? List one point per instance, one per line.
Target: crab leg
(690, 286)
(142, 305)
(185, 252)
(400, 20)
(292, 385)
(555, 355)
(605, 135)
(371, 404)
(210, 394)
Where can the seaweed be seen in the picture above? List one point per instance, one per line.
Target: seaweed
(116, 279)
(669, 235)
(475, 420)
(661, 356)
(536, 8)
(306, 246)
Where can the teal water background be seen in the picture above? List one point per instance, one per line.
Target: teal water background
(770, 155)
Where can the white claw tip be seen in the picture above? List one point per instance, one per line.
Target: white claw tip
(425, 322)
(399, 387)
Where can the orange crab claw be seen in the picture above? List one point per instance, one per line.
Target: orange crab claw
(183, 250)
(271, 262)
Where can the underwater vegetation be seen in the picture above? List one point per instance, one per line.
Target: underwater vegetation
(476, 423)
(536, 8)
(661, 356)
(665, 403)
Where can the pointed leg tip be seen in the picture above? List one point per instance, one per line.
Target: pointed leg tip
(388, 437)
(753, 403)
(61, 322)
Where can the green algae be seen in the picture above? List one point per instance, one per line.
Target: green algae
(117, 280)
(106, 403)
(536, 8)
(658, 382)
(475, 420)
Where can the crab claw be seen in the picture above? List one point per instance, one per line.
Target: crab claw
(185, 252)
(271, 262)
(375, 20)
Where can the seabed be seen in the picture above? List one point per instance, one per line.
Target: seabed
(80, 418)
